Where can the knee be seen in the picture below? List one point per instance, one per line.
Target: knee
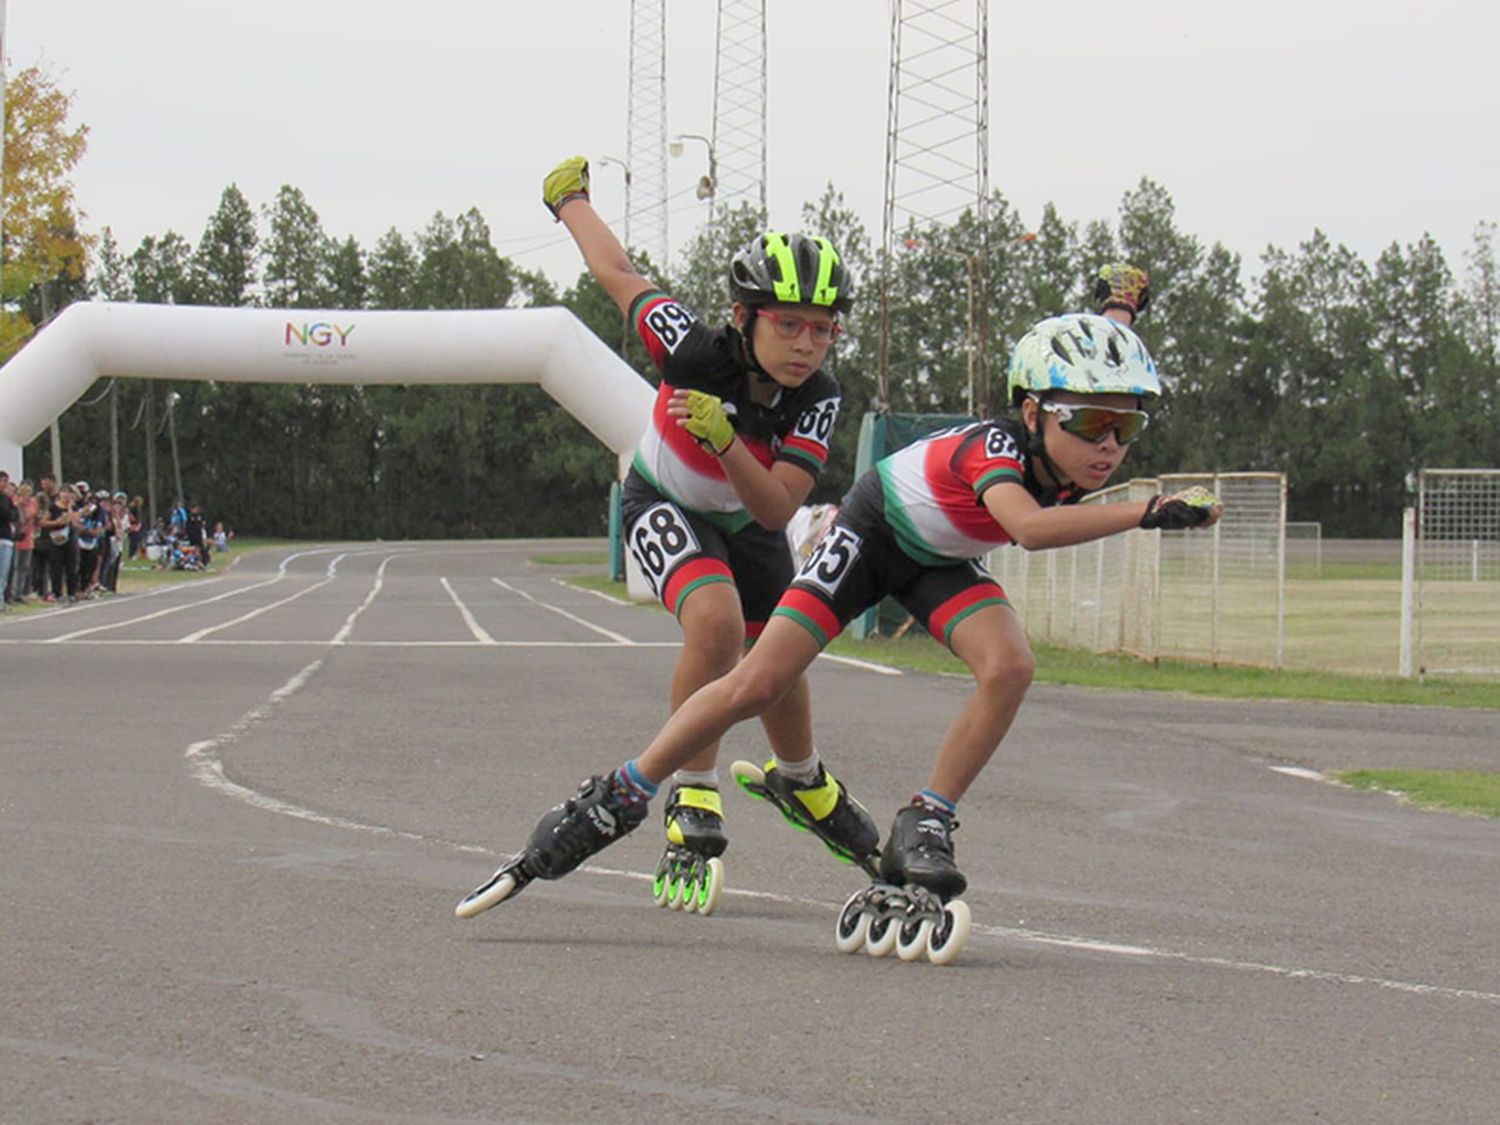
(756, 691)
(1010, 671)
(718, 639)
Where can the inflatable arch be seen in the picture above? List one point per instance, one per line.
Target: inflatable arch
(95, 340)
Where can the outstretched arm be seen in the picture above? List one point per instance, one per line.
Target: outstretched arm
(565, 191)
(1037, 528)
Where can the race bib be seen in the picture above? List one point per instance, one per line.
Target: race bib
(659, 540)
(831, 560)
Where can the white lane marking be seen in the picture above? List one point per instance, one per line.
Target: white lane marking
(342, 636)
(193, 638)
(280, 574)
(103, 642)
(208, 769)
(616, 637)
(882, 669)
(479, 634)
(1299, 771)
(600, 594)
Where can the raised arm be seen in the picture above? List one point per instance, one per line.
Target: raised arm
(565, 191)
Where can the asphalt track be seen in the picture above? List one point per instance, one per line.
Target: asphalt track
(236, 815)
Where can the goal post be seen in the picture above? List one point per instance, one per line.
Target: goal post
(1451, 575)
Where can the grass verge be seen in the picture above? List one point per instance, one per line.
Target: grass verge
(1453, 791)
(1124, 673)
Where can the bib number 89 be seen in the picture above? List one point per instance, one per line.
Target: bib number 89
(660, 539)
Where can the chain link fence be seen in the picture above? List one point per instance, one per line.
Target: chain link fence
(1216, 596)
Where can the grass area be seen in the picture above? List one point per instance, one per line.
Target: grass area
(1124, 673)
(142, 575)
(1454, 791)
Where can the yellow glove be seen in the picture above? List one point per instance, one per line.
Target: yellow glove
(569, 180)
(1195, 507)
(1122, 286)
(707, 422)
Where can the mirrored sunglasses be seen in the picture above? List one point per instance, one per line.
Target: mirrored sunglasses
(1094, 423)
(789, 327)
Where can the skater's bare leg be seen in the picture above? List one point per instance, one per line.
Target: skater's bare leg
(768, 672)
(993, 644)
(713, 638)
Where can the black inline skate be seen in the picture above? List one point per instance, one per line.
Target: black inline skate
(565, 836)
(690, 874)
(913, 908)
(822, 806)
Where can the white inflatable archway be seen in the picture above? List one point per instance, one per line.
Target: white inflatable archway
(94, 340)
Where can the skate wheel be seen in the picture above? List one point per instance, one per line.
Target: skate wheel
(748, 774)
(493, 893)
(677, 893)
(882, 936)
(710, 886)
(659, 890)
(913, 938)
(853, 925)
(948, 938)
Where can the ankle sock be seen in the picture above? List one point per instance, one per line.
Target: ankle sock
(805, 770)
(936, 802)
(699, 779)
(631, 785)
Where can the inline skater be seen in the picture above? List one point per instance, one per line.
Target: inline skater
(738, 437)
(915, 526)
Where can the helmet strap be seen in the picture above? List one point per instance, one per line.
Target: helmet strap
(1036, 451)
(747, 341)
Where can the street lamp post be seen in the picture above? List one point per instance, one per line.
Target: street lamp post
(624, 316)
(708, 184)
(970, 264)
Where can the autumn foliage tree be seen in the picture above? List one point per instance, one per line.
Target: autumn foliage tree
(45, 251)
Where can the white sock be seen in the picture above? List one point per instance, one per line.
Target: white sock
(804, 770)
(698, 779)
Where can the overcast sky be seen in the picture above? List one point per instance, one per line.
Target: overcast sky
(1374, 121)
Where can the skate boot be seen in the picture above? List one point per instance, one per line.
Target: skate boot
(565, 836)
(915, 908)
(690, 874)
(920, 850)
(822, 806)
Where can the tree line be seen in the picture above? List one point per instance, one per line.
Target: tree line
(1347, 375)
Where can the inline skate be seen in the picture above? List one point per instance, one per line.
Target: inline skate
(566, 835)
(913, 907)
(690, 874)
(822, 806)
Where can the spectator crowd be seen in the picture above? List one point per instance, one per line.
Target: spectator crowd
(65, 543)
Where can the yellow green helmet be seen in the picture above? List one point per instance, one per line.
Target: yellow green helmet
(791, 269)
(1084, 353)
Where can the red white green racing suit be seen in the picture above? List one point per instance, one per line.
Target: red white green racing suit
(915, 528)
(684, 522)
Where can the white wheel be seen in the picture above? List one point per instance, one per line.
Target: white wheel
(882, 936)
(912, 939)
(493, 893)
(712, 886)
(949, 938)
(677, 893)
(743, 772)
(853, 925)
(659, 887)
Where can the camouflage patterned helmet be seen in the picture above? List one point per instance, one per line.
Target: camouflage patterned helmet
(1084, 353)
(791, 269)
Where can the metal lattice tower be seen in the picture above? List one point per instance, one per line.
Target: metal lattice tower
(738, 150)
(937, 140)
(646, 143)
